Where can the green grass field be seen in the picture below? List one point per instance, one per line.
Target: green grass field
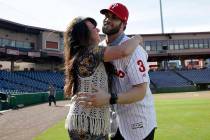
(178, 119)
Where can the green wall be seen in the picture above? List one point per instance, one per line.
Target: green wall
(32, 98)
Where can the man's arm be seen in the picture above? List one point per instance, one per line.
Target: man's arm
(135, 94)
(101, 98)
(138, 74)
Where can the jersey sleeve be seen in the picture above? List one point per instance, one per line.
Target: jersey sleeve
(137, 69)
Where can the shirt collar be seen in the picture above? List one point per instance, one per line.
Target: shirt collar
(117, 40)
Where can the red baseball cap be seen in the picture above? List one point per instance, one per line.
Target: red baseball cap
(119, 10)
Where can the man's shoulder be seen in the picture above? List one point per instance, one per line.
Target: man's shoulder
(140, 49)
(125, 38)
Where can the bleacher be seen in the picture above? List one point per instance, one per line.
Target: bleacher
(180, 80)
(168, 79)
(38, 81)
(197, 76)
(56, 78)
(21, 82)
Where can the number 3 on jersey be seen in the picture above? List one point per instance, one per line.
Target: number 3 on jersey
(141, 66)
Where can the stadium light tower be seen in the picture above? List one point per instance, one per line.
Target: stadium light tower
(161, 17)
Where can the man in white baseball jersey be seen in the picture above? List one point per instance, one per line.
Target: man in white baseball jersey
(135, 111)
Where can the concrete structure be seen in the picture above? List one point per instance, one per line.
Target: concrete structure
(42, 49)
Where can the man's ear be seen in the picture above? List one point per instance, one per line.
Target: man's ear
(123, 25)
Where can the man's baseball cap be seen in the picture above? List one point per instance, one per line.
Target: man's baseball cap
(119, 10)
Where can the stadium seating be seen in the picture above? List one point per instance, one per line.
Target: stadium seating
(197, 76)
(38, 81)
(168, 79)
(30, 81)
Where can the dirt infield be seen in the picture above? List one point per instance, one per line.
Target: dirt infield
(28, 122)
(184, 95)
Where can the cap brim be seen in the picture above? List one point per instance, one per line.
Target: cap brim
(104, 11)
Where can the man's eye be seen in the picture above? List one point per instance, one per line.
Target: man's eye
(114, 17)
(107, 17)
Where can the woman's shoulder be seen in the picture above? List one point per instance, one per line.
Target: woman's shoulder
(88, 60)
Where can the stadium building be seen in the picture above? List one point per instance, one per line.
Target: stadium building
(31, 58)
(178, 50)
(24, 47)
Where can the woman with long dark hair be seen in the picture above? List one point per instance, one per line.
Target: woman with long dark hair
(85, 68)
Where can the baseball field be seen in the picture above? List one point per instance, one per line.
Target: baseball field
(180, 116)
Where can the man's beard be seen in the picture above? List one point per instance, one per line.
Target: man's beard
(112, 31)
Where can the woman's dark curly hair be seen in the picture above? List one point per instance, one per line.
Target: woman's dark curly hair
(76, 38)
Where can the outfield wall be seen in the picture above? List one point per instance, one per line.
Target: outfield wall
(176, 89)
(27, 99)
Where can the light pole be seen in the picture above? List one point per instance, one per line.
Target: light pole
(161, 16)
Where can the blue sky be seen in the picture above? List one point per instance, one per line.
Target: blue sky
(178, 15)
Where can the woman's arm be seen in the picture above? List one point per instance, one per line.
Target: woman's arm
(122, 50)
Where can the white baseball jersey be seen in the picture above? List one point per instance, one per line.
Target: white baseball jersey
(135, 120)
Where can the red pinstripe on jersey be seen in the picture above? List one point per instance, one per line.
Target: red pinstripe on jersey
(135, 120)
